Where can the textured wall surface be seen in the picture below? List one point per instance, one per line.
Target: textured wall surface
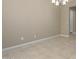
(27, 18)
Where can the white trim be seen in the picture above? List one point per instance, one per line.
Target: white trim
(26, 44)
(64, 35)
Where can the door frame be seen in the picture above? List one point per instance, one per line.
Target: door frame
(70, 8)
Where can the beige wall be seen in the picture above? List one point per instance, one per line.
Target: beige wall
(29, 17)
(65, 17)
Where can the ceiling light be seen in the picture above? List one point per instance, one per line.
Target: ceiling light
(59, 2)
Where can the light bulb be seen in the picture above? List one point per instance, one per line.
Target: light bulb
(53, 1)
(64, 2)
(57, 3)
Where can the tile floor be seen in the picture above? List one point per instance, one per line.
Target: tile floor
(57, 48)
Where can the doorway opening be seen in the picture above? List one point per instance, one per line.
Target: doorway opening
(72, 20)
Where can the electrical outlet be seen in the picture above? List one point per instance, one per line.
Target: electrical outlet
(22, 38)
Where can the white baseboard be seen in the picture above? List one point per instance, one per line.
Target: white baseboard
(26, 44)
(64, 35)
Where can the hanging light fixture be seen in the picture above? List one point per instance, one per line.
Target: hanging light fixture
(59, 2)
